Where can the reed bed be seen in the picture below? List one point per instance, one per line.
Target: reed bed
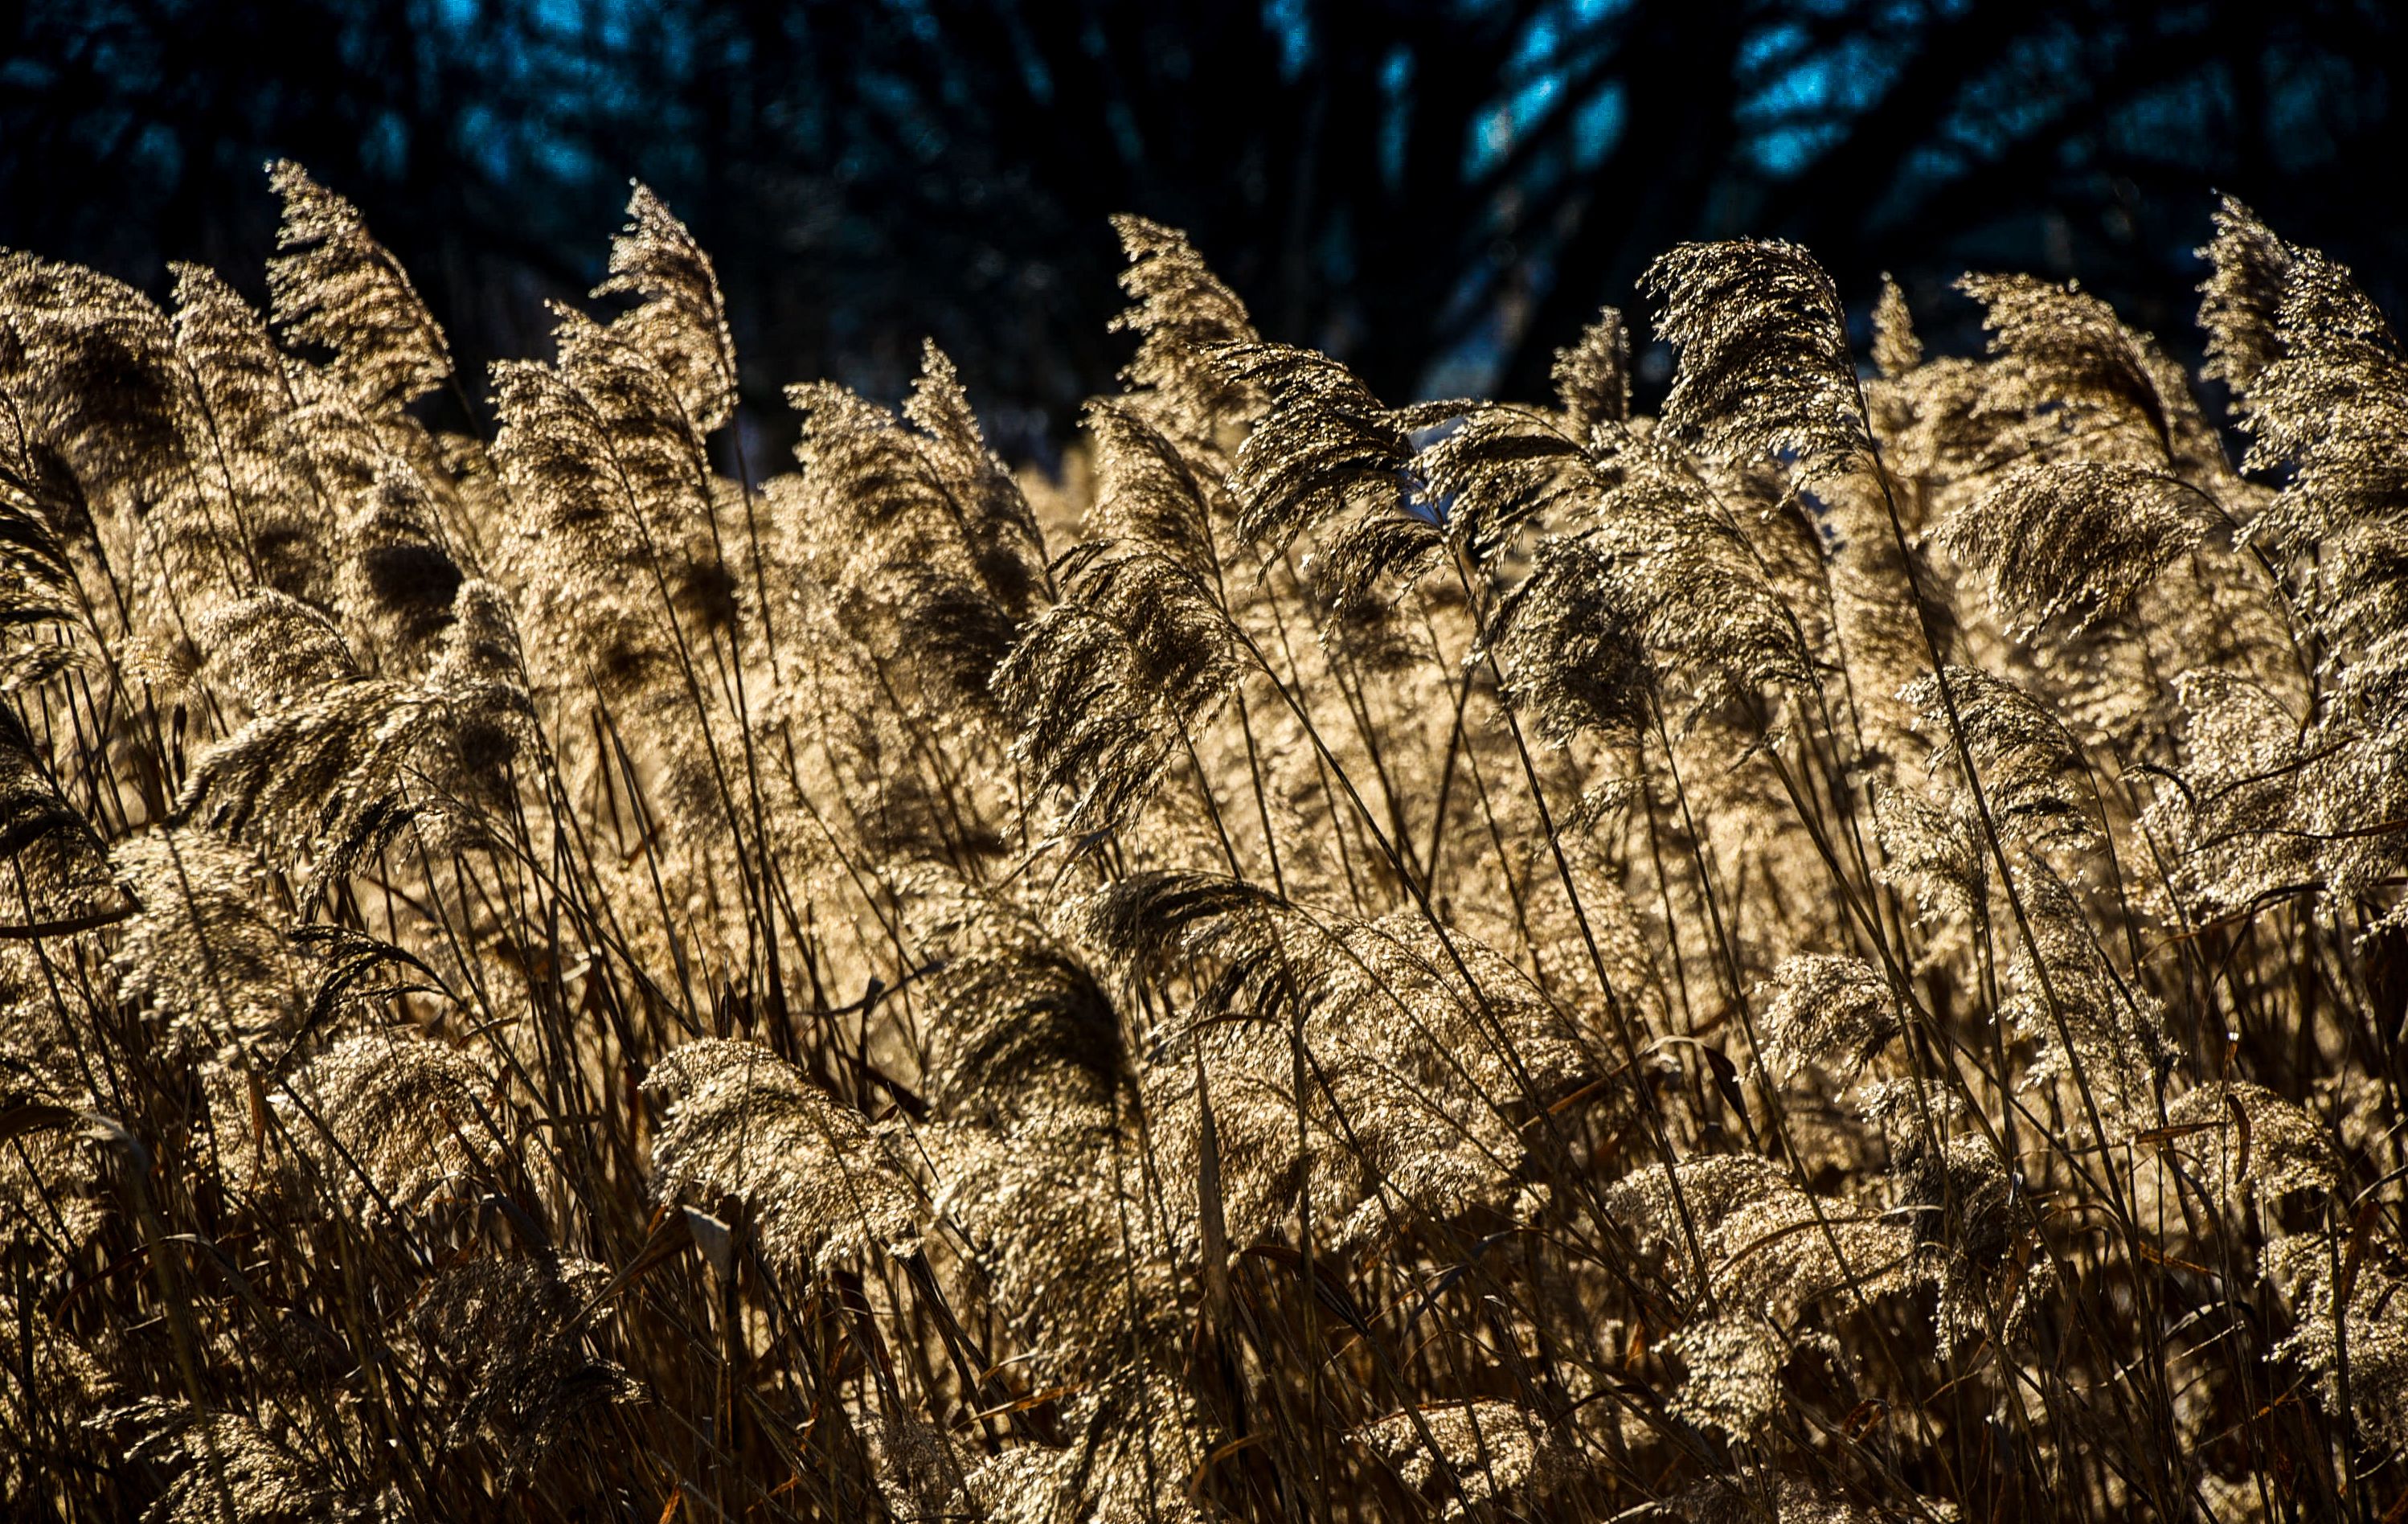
(1835, 954)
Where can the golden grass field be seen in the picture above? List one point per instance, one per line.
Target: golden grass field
(1835, 954)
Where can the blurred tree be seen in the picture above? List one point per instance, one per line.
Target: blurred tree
(1441, 191)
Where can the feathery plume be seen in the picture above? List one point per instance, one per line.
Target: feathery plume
(1592, 378)
(681, 322)
(2347, 1309)
(1896, 349)
(1486, 1454)
(1147, 492)
(247, 399)
(2079, 540)
(2258, 1140)
(738, 1120)
(393, 575)
(1734, 1381)
(2060, 360)
(2030, 768)
(1718, 631)
(1502, 468)
(1184, 316)
(1327, 459)
(506, 1355)
(2327, 403)
(2241, 299)
(227, 1470)
(44, 627)
(339, 771)
(270, 649)
(1764, 362)
(335, 288)
(204, 954)
(1767, 1244)
(1569, 649)
(384, 1121)
(100, 404)
(1018, 1029)
(1826, 1011)
(922, 530)
(2087, 1022)
(1108, 685)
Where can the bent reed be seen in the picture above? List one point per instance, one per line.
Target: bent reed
(1833, 955)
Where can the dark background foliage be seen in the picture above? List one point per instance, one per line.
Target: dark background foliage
(1439, 192)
